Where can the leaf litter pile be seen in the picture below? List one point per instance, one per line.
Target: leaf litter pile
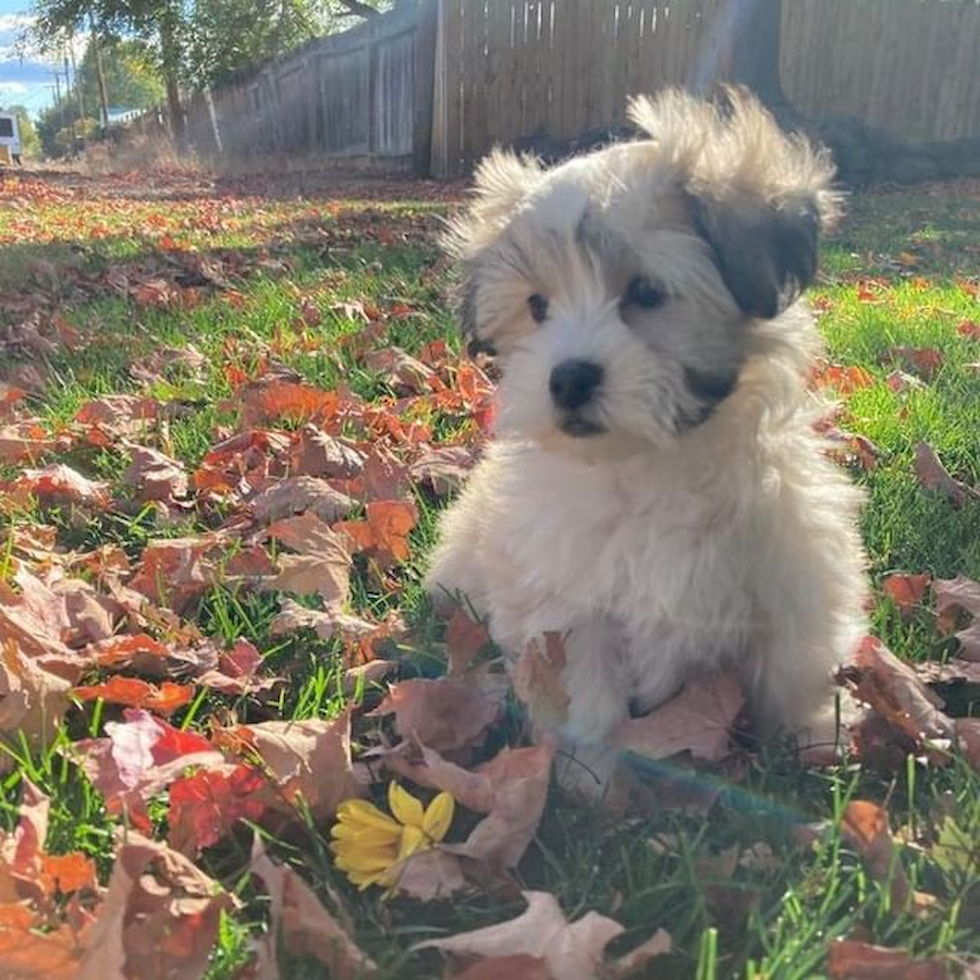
(236, 740)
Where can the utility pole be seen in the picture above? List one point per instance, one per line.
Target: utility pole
(74, 74)
(103, 96)
(71, 117)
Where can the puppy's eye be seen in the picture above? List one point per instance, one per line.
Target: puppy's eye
(538, 305)
(643, 293)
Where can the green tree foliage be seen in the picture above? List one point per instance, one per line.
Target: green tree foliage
(227, 36)
(131, 74)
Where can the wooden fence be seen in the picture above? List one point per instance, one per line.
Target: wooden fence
(507, 69)
(911, 67)
(435, 83)
(364, 93)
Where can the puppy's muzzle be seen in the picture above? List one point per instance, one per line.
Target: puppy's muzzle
(573, 385)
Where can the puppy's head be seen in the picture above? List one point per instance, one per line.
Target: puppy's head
(625, 291)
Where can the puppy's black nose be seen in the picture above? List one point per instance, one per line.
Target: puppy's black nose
(573, 382)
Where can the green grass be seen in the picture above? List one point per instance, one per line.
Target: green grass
(773, 919)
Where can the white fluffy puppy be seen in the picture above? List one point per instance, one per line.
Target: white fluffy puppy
(656, 490)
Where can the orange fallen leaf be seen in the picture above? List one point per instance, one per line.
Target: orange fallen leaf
(906, 591)
(865, 826)
(135, 693)
(160, 917)
(844, 378)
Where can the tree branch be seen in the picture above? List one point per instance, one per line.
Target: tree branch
(359, 9)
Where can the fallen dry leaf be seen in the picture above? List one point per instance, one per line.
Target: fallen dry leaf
(968, 740)
(307, 760)
(465, 638)
(443, 469)
(865, 826)
(428, 875)
(572, 951)
(400, 371)
(303, 924)
(442, 714)
(154, 475)
(175, 571)
(323, 565)
(953, 595)
(519, 966)
(135, 693)
(160, 917)
(850, 959)
(32, 700)
(906, 591)
(299, 494)
(326, 623)
(60, 484)
(922, 361)
(878, 678)
(845, 379)
(697, 720)
(24, 442)
(139, 757)
(935, 477)
(317, 453)
(206, 805)
(384, 533)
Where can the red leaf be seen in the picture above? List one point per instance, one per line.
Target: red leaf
(906, 591)
(969, 329)
(205, 806)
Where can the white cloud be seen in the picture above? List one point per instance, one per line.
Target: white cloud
(14, 88)
(15, 22)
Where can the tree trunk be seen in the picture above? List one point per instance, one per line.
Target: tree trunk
(100, 75)
(755, 49)
(170, 57)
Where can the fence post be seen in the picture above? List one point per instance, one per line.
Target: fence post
(425, 84)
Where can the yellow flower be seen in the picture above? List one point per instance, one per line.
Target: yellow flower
(368, 844)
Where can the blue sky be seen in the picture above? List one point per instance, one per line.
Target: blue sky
(24, 81)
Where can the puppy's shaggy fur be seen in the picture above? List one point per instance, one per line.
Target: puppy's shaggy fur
(656, 490)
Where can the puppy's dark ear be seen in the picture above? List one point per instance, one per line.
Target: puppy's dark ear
(767, 255)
